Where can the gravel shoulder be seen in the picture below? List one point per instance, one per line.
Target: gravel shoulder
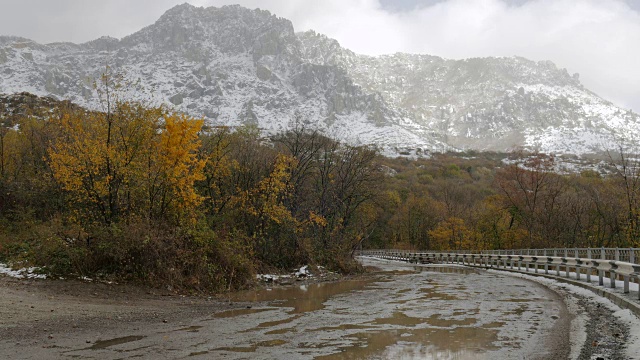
(32, 310)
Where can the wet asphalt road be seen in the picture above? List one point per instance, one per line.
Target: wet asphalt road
(403, 312)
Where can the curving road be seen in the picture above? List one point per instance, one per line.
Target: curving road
(401, 312)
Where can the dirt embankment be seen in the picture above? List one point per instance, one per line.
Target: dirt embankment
(32, 310)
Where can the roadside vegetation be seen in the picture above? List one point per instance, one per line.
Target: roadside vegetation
(146, 195)
(507, 201)
(143, 194)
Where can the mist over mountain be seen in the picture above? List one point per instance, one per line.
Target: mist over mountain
(237, 66)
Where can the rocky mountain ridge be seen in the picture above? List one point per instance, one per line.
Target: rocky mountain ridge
(238, 66)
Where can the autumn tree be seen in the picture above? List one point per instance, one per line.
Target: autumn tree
(451, 234)
(216, 151)
(627, 171)
(524, 185)
(133, 161)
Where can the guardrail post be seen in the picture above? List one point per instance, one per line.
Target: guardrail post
(612, 274)
(566, 268)
(632, 259)
(578, 268)
(546, 263)
(589, 267)
(627, 278)
(601, 272)
(626, 284)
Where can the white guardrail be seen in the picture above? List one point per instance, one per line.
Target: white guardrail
(603, 262)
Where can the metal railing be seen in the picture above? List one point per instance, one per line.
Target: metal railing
(610, 262)
(631, 255)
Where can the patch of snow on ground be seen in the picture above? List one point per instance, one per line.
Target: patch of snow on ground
(303, 272)
(300, 273)
(24, 273)
(630, 320)
(270, 277)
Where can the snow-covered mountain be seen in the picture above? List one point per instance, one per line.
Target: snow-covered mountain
(238, 66)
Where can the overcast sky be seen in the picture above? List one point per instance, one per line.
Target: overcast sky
(600, 39)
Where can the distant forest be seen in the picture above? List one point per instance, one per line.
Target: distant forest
(146, 195)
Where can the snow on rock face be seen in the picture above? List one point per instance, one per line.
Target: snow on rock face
(237, 66)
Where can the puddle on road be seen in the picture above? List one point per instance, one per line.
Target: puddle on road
(517, 311)
(190, 329)
(248, 349)
(415, 270)
(103, 344)
(494, 325)
(447, 269)
(399, 318)
(475, 311)
(253, 348)
(402, 319)
(280, 331)
(460, 343)
(238, 312)
(436, 320)
(304, 298)
(432, 294)
(343, 327)
(522, 300)
(272, 323)
(271, 343)
(430, 335)
(278, 322)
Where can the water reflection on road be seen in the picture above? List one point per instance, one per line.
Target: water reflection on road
(404, 312)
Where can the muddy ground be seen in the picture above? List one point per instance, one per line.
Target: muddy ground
(398, 312)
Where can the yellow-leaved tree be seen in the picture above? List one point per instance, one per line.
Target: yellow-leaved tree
(451, 234)
(174, 167)
(131, 161)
